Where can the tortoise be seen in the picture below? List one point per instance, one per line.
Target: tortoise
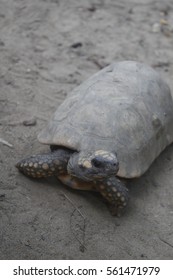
(112, 126)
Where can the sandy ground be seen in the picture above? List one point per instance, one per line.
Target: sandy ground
(48, 47)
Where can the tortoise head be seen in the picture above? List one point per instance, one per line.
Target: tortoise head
(92, 166)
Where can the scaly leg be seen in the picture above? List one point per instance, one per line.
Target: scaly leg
(112, 189)
(44, 165)
(116, 194)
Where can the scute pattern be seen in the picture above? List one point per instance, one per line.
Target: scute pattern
(125, 108)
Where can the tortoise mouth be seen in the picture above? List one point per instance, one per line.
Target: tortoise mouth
(92, 176)
(89, 177)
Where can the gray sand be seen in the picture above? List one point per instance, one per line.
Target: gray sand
(47, 48)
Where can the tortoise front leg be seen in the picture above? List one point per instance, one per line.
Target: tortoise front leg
(112, 189)
(116, 194)
(44, 165)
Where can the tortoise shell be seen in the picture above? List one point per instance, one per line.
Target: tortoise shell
(125, 108)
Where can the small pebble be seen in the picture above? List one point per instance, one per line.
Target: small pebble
(92, 8)
(76, 45)
(2, 197)
(156, 28)
(30, 122)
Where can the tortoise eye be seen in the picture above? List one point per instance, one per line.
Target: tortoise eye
(97, 163)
